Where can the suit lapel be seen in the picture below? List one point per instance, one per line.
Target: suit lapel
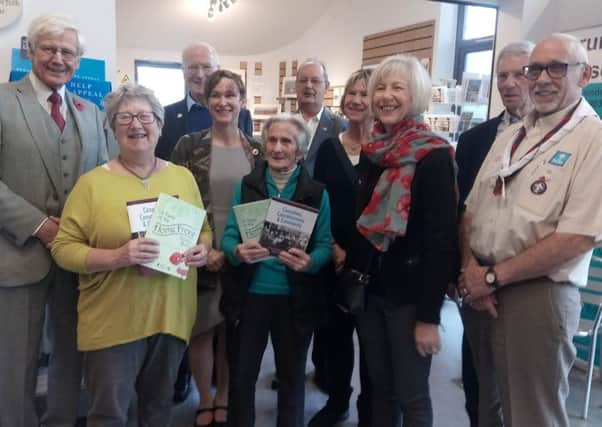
(33, 115)
(181, 119)
(322, 131)
(82, 123)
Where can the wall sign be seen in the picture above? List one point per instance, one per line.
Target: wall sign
(10, 11)
(591, 38)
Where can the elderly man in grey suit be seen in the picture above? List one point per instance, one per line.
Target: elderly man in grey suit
(311, 86)
(48, 138)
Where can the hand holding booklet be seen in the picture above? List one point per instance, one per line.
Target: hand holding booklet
(176, 225)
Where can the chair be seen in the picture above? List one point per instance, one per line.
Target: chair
(587, 336)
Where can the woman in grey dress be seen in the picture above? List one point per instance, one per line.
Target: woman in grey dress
(218, 158)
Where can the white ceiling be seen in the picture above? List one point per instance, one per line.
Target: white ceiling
(248, 27)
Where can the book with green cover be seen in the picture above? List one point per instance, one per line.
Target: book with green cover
(176, 225)
(250, 217)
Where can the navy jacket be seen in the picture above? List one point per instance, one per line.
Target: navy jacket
(473, 146)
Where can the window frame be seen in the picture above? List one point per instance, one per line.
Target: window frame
(158, 64)
(466, 46)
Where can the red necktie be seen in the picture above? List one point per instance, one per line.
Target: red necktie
(55, 110)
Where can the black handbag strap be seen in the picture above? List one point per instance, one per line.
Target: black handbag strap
(368, 266)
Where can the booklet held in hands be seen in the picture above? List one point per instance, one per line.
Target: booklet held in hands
(287, 225)
(176, 225)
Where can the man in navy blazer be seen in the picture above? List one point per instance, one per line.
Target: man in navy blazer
(199, 60)
(482, 399)
(311, 86)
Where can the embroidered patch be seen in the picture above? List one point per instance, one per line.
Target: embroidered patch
(539, 186)
(560, 158)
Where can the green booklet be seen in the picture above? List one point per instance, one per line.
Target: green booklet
(176, 225)
(250, 217)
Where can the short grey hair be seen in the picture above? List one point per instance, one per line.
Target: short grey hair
(130, 92)
(418, 79)
(301, 137)
(315, 61)
(53, 25)
(201, 45)
(524, 47)
(573, 45)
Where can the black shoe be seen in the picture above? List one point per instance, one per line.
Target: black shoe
(182, 390)
(328, 416)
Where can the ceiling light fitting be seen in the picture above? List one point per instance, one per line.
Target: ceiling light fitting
(218, 6)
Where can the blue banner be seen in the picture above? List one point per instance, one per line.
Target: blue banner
(593, 93)
(87, 82)
(89, 69)
(93, 91)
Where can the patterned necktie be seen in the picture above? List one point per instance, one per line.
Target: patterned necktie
(55, 110)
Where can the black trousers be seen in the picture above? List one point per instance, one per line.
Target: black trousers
(399, 375)
(336, 351)
(470, 383)
(264, 315)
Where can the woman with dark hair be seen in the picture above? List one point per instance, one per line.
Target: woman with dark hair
(339, 164)
(409, 229)
(282, 297)
(217, 157)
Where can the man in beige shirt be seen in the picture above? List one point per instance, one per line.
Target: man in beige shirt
(532, 218)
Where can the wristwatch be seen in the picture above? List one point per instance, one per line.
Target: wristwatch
(491, 278)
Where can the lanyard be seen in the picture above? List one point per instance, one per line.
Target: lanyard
(501, 181)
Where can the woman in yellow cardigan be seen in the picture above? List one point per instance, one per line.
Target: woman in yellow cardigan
(133, 325)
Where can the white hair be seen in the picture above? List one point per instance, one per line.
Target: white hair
(53, 25)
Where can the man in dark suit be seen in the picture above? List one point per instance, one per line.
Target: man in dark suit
(311, 85)
(48, 138)
(199, 60)
(482, 398)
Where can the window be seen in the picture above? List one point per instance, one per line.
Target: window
(474, 42)
(164, 78)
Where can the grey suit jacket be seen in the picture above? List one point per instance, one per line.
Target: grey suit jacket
(330, 126)
(31, 185)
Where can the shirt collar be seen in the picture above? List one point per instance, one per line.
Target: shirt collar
(315, 118)
(190, 102)
(42, 91)
(549, 121)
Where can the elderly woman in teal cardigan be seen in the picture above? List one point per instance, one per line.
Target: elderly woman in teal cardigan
(282, 297)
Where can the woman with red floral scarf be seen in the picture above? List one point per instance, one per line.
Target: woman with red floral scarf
(408, 223)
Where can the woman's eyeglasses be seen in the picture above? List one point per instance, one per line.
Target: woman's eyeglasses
(127, 118)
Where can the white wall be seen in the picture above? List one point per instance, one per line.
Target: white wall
(96, 20)
(335, 37)
(534, 19)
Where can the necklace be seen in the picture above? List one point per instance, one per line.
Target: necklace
(142, 178)
(352, 148)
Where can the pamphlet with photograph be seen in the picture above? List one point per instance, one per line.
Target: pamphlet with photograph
(287, 224)
(176, 225)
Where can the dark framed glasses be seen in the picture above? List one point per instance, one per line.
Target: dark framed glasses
(556, 70)
(126, 118)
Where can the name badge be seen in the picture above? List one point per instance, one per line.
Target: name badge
(560, 158)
